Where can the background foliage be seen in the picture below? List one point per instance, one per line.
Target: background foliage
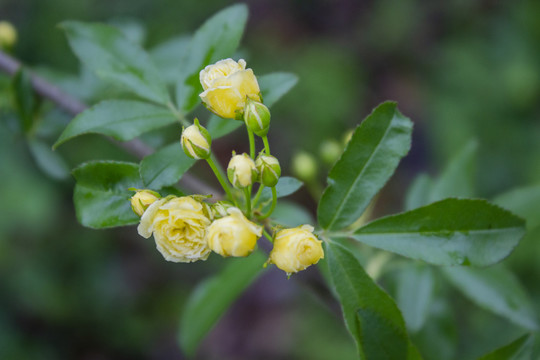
(459, 70)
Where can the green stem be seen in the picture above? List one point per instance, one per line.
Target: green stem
(268, 236)
(274, 201)
(266, 145)
(219, 175)
(258, 195)
(251, 143)
(247, 194)
(178, 114)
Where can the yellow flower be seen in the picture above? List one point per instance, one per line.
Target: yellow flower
(233, 235)
(179, 227)
(242, 171)
(8, 34)
(296, 249)
(142, 200)
(227, 84)
(196, 141)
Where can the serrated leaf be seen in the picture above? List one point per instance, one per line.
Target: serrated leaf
(48, 161)
(519, 349)
(495, 289)
(448, 232)
(101, 195)
(112, 56)
(414, 294)
(209, 301)
(371, 315)
(371, 157)
(165, 167)
(216, 39)
(524, 202)
(121, 119)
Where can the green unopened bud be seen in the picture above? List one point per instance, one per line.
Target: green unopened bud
(242, 171)
(269, 170)
(304, 166)
(8, 35)
(196, 141)
(142, 200)
(257, 117)
(330, 151)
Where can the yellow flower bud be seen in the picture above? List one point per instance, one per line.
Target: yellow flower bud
(257, 117)
(142, 200)
(196, 141)
(269, 170)
(304, 166)
(330, 151)
(242, 171)
(296, 249)
(8, 34)
(233, 235)
(227, 84)
(179, 227)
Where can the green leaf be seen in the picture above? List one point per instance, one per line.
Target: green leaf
(216, 39)
(48, 161)
(122, 119)
(290, 215)
(519, 349)
(371, 156)
(414, 294)
(108, 52)
(101, 195)
(524, 202)
(213, 297)
(167, 57)
(448, 232)
(24, 100)
(273, 86)
(419, 192)
(286, 186)
(457, 179)
(497, 290)
(165, 167)
(371, 315)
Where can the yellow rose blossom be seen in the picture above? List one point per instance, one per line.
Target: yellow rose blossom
(227, 84)
(142, 200)
(296, 249)
(179, 227)
(233, 235)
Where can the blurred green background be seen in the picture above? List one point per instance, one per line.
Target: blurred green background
(459, 69)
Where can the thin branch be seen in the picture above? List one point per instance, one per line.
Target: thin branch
(73, 106)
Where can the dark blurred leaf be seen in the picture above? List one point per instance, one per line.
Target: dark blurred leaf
(122, 119)
(209, 301)
(216, 39)
(419, 192)
(519, 349)
(24, 100)
(50, 162)
(219, 127)
(414, 294)
(448, 232)
(286, 186)
(102, 196)
(165, 167)
(371, 315)
(290, 214)
(371, 156)
(108, 52)
(273, 86)
(457, 179)
(523, 201)
(495, 289)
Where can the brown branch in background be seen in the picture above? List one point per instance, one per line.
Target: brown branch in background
(73, 106)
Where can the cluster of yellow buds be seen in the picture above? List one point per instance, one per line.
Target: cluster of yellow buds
(188, 229)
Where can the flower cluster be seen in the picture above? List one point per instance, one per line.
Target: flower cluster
(188, 228)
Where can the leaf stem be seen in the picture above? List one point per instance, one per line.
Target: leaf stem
(268, 236)
(220, 176)
(266, 144)
(251, 143)
(258, 195)
(247, 194)
(178, 114)
(274, 201)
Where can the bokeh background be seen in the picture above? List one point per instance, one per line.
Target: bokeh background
(459, 69)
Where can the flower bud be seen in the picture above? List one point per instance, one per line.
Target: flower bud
(330, 151)
(269, 170)
(142, 200)
(257, 117)
(233, 235)
(8, 35)
(196, 141)
(242, 171)
(296, 249)
(304, 166)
